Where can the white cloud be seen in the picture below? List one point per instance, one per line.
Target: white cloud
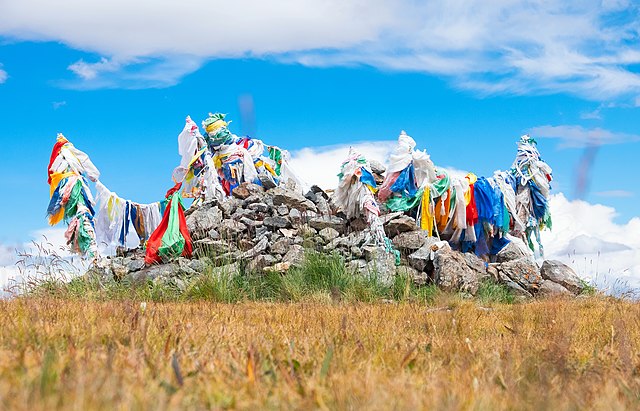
(503, 46)
(3, 75)
(89, 71)
(57, 104)
(586, 237)
(132, 73)
(615, 193)
(321, 165)
(592, 115)
(579, 136)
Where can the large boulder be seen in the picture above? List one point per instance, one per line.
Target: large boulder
(524, 272)
(382, 266)
(411, 240)
(400, 224)
(549, 289)
(454, 271)
(292, 199)
(510, 252)
(322, 222)
(513, 286)
(421, 258)
(562, 274)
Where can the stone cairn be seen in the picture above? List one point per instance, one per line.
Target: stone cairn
(270, 230)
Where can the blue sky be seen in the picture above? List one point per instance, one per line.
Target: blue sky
(465, 80)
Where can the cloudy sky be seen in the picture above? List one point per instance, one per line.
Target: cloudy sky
(464, 78)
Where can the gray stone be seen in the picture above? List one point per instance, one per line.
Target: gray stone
(231, 228)
(377, 167)
(328, 233)
(267, 181)
(382, 266)
(202, 220)
(258, 207)
(357, 266)
(295, 216)
(119, 267)
(295, 255)
(135, 264)
(524, 272)
(241, 192)
(213, 234)
(311, 196)
(253, 199)
(510, 252)
(420, 258)
(356, 252)
(261, 232)
(411, 240)
(514, 287)
(251, 223)
(208, 247)
(324, 208)
(184, 265)
(259, 263)
(288, 232)
(399, 225)
(337, 223)
(356, 239)
(549, 289)
(280, 246)
(562, 274)
(243, 212)
(259, 248)
(254, 189)
(277, 222)
(282, 210)
(199, 266)
(454, 271)
(319, 192)
(292, 199)
(155, 271)
(385, 218)
(229, 206)
(307, 231)
(369, 251)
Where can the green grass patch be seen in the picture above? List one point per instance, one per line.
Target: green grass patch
(492, 292)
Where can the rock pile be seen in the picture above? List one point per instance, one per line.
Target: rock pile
(271, 230)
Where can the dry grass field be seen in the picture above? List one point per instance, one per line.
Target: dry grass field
(449, 354)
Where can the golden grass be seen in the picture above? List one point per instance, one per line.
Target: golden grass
(76, 354)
